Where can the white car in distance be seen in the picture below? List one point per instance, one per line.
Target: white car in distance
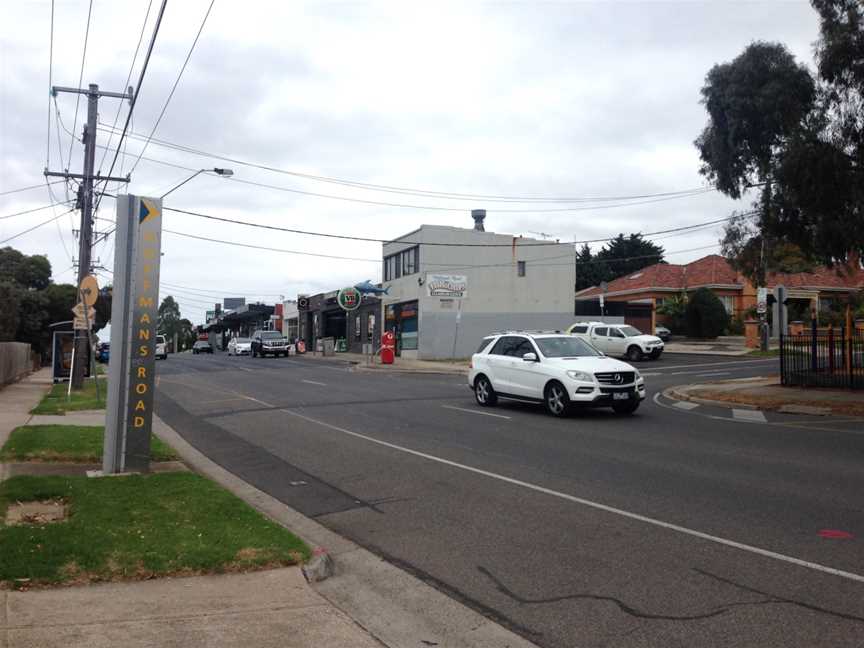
(239, 346)
(620, 340)
(560, 371)
(161, 348)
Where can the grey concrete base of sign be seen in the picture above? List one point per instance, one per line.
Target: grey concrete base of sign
(394, 606)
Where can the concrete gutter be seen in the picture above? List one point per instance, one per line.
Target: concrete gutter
(395, 607)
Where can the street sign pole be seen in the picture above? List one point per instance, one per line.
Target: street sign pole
(134, 315)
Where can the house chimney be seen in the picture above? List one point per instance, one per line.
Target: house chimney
(479, 215)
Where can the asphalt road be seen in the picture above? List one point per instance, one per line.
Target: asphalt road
(674, 527)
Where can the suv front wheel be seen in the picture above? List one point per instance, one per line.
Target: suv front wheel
(556, 400)
(634, 353)
(484, 392)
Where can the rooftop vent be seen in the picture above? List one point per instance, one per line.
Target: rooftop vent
(479, 215)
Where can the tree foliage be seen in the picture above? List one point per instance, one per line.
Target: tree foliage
(620, 256)
(29, 272)
(706, 317)
(675, 311)
(798, 135)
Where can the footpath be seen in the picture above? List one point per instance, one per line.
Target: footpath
(349, 598)
(766, 393)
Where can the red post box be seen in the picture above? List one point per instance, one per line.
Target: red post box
(388, 347)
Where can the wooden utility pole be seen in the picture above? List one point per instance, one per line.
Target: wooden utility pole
(85, 242)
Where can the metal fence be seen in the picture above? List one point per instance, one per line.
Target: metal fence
(823, 359)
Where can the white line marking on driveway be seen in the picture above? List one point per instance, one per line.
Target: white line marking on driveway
(470, 411)
(314, 382)
(686, 405)
(754, 416)
(595, 505)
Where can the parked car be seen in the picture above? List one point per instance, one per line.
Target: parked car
(663, 333)
(202, 346)
(269, 343)
(561, 371)
(103, 352)
(619, 340)
(239, 346)
(161, 348)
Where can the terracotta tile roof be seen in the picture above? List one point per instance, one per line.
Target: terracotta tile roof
(714, 270)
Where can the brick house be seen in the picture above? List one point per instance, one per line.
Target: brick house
(659, 282)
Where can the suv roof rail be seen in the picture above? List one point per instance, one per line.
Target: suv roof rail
(524, 332)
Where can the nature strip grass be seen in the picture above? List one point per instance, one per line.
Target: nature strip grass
(137, 527)
(67, 444)
(56, 402)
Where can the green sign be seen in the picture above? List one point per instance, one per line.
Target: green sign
(349, 299)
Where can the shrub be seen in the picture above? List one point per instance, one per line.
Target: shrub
(736, 326)
(706, 316)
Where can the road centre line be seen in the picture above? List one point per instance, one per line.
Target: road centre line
(470, 411)
(715, 373)
(578, 500)
(589, 503)
(313, 382)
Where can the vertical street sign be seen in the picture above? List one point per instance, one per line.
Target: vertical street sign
(134, 316)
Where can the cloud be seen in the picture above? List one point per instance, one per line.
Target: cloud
(584, 99)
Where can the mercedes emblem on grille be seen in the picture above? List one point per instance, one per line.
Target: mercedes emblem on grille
(617, 378)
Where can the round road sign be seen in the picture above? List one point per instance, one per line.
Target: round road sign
(89, 289)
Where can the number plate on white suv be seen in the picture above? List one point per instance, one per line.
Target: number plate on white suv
(620, 395)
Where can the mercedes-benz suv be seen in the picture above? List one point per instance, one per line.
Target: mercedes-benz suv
(560, 371)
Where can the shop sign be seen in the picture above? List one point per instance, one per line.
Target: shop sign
(349, 298)
(447, 286)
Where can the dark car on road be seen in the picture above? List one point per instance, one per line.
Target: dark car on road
(269, 343)
(103, 352)
(202, 346)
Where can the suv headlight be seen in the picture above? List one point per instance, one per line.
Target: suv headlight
(581, 376)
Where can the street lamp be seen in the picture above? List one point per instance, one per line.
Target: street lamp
(222, 172)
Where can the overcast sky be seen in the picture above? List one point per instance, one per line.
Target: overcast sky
(567, 99)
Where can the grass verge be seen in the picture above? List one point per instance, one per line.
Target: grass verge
(137, 527)
(55, 401)
(771, 353)
(67, 444)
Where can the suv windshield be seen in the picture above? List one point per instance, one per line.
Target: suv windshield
(629, 331)
(565, 347)
(271, 335)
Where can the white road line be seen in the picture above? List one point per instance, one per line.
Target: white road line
(653, 373)
(591, 504)
(720, 363)
(753, 416)
(715, 373)
(686, 405)
(314, 382)
(221, 400)
(470, 411)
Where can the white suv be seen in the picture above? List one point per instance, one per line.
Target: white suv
(560, 371)
(619, 340)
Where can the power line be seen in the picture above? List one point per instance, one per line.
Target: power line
(174, 87)
(81, 76)
(30, 211)
(36, 186)
(408, 242)
(126, 85)
(220, 294)
(57, 222)
(50, 83)
(50, 220)
(136, 94)
(676, 196)
(261, 247)
(413, 192)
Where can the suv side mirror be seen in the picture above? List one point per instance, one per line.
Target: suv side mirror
(530, 357)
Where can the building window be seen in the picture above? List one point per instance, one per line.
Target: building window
(401, 264)
(728, 303)
(659, 301)
(520, 268)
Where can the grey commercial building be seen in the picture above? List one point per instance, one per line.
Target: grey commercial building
(450, 286)
(322, 317)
